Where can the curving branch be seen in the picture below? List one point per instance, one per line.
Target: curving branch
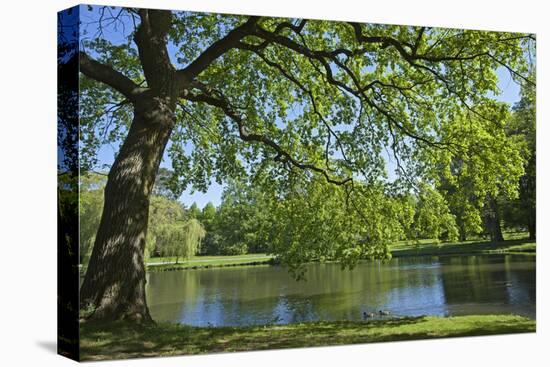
(217, 49)
(413, 56)
(325, 58)
(106, 74)
(512, 71)
(288, 75)
(206, 96)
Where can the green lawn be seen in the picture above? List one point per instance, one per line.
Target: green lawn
(123, 340)
(208, 261)
(512, 246)
(515, 244)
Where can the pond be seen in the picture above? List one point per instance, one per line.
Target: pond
(441, 286)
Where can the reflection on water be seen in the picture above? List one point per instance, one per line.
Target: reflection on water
(454, 285)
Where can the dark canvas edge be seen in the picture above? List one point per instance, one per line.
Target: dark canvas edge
(68, 338)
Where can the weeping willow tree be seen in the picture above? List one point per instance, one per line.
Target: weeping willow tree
(180, 240)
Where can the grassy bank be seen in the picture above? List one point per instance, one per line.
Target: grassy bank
(169, 263)
(402, 249)
(518, 246)
(122, 340)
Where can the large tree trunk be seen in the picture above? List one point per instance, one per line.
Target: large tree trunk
(114, 285)
(493, 221)
(528, 192)
(462, 231)
(532, 226)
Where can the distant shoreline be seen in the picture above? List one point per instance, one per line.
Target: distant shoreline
(510, 247)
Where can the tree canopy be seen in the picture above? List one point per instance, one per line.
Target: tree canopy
(335, 100)
(309, 111)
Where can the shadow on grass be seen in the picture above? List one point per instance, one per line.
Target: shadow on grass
(123, 340)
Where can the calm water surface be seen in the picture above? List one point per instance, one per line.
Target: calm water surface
(453, 285)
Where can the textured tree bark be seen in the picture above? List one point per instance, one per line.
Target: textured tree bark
(532, 226)
(527, 195)
(114, 285)
(462, 232)
(493, 221)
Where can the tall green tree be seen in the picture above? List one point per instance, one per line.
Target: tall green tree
(194, 211)
(269, 95)
(208, 214)
(463, 204)
(242, 219)
(432, 218)
(484, 168)
(209, 219)
(522, 212)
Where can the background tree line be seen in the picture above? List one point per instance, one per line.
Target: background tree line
(300, 218)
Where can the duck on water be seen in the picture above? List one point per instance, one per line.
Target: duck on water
(370, 315)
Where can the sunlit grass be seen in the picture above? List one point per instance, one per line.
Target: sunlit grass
(162, 263)
(212, 259)
(124, 340)
(515, 243)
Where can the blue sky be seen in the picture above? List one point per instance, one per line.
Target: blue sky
(510, 94)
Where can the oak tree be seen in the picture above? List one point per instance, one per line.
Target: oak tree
(237, 96)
